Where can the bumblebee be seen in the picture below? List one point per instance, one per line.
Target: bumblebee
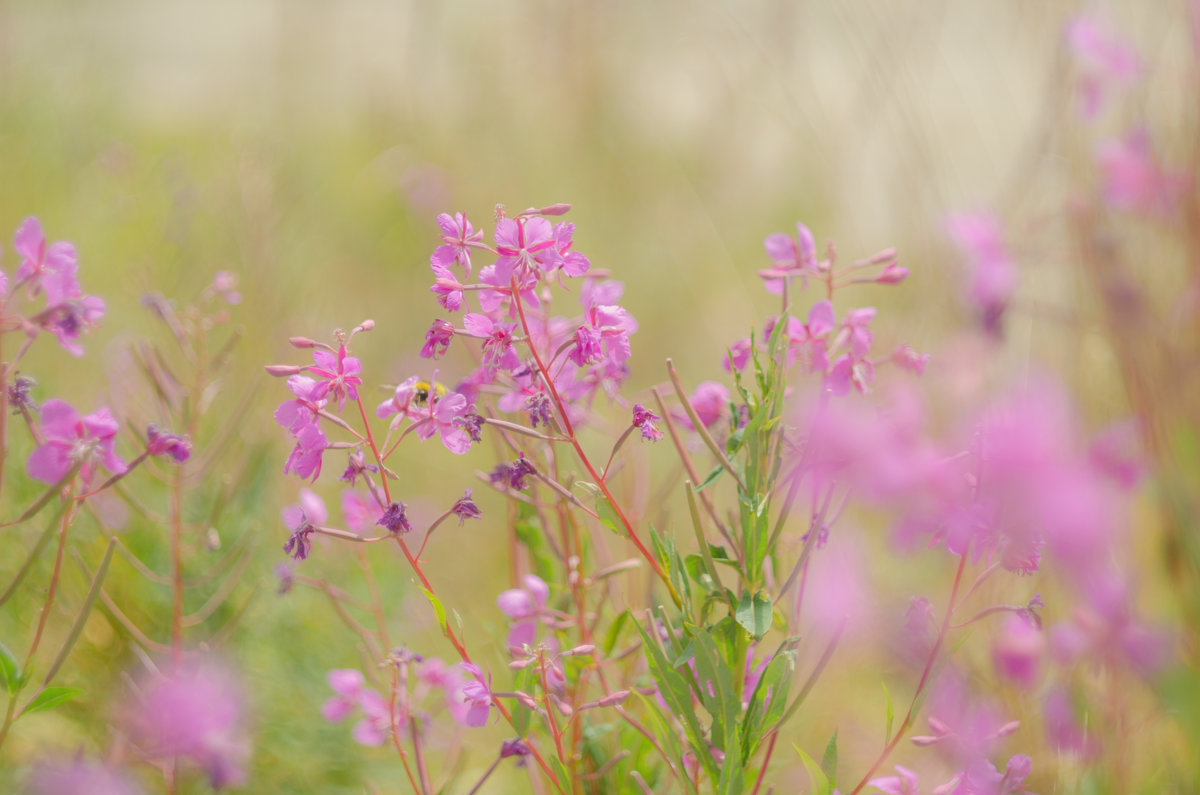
(423, 389)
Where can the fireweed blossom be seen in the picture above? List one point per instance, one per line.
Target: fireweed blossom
(77, 776)
(477, 695)
(40, 262)
(1107, 63)
(197, 712)
(524, 606)
(352, 694)
(992, 274)
(459, 237)
(70, 440)
(793, 256)
(339, 373)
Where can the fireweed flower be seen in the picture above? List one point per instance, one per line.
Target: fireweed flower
(560, 255)
(477, 695)
(992, 274)
(646, 421)
(466, 508)
(447, 288)
(792, 257)
(522, 244)
(300, 518)
(1106, 62)
(539, 409)
(497, 339)
(340, 374)
(459, 237)
(394, 519)
(18, 394)
(196, 712)
(70, 440)
(903, 784)
(359, 512)
(351, 694)
(305, 458)
(524, 606)
(162, 443)
(444, 416)
(40, 263)
(301, 412)
(356, 465)
(437, 339)
(67, 317)
(1017, 651)
(1133, 179)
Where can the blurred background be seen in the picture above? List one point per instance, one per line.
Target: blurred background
(307, 147)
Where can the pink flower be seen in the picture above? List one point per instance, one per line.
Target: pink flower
(76, 776)
(903, 784)
(340, 373)
(1017, 651)
(1106, 61)
(477, 695)
(305, 458)
(906, 358)
(647, 421)
(437, 339)
(68, 316)
(738, 356)
(300, 413)
(560, 255)
(993, 277)
(71, 440)
(446, 418)
(359, 512)
(520, 244)
(195, 712)
(163, 443)
(311, 508)
(524, 606)
(459, 238)
(792, 257)
(41, 263)
(1133, 179)
(497, 339)
(447, 288)
(710, 400)
(351, 693)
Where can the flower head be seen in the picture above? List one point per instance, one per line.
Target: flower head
(163, 443)
(340, 374)
(71, 440)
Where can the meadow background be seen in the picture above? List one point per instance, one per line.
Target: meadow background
(307, 147)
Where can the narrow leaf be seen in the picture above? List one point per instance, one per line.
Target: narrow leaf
(10, 670)
(33, 554)
(49, 698)
(819, 780)
(84, 611)
(438, 610)
(829, 760)
(889, 713)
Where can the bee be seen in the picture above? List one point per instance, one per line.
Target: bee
(423, 389)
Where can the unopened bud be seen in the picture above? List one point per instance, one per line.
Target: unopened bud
(892, 274)
(367, 325)
(560, 208)
(1008, 728)
(585, 650)
(561, 705)
(301, 342)
(282, 370)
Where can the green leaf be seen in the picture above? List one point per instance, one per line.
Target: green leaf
(712, 478)
(767, 702)
(754, 613)
(10, 670)
(889, 713)
(438, 610)
(613, 635)
(84, 611)
(829, 760)
(820, 781)
(33, 554)
(722, 702)
(49, 698)
(677, 694)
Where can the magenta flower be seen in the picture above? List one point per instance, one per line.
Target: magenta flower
(340, 373)
(197, 712)
(310, 508)
(394, 519)
(1017, 651)
(444, 419)
(351, 694)
(1133, 179)
(560, 256)
(903, 784)
(710, 400)
(738, 356)
(67, 317)
(497, 339)
(1106, 61)
(477, 695)
(647, 421)
(71, 440)
(458, 237)
(466, 508)
(42, 264)
(359, 512)
(524, 606)
(906, 358)
(301, 412)
(437, 339)
(305, 458)
(163, 443)
(520, 244)
(792, 257)
(447, 288)
(993, 276)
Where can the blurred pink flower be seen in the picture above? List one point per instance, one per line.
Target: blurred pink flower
(41, 264)
(77, 776)
(524, 606)
(710, 399)
(70, 439)
(1133, 179)
(903, 784)
(197, 712)
(359, 512)
(793, 256)
(351, 693)
(1017, 651)
(1106, 62)
(992, 274)
(476, 694)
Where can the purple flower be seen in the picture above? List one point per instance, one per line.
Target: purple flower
(356, 465)
(358, 512)
(18, 394)
(586, 348)
(465, 508)
(394, 519)
(514, 747)
(792, 257)
(41, 264)
(437, 339)
(340, 373)
(518, 471)
(524, 606)
(305, 458)
(351, 693)
(68, 316)
(993, 276)
(477, 695)
(459, 237)
(646, 420)
(472, 424)
(70, 439)
(443, 419)
(163, 443)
